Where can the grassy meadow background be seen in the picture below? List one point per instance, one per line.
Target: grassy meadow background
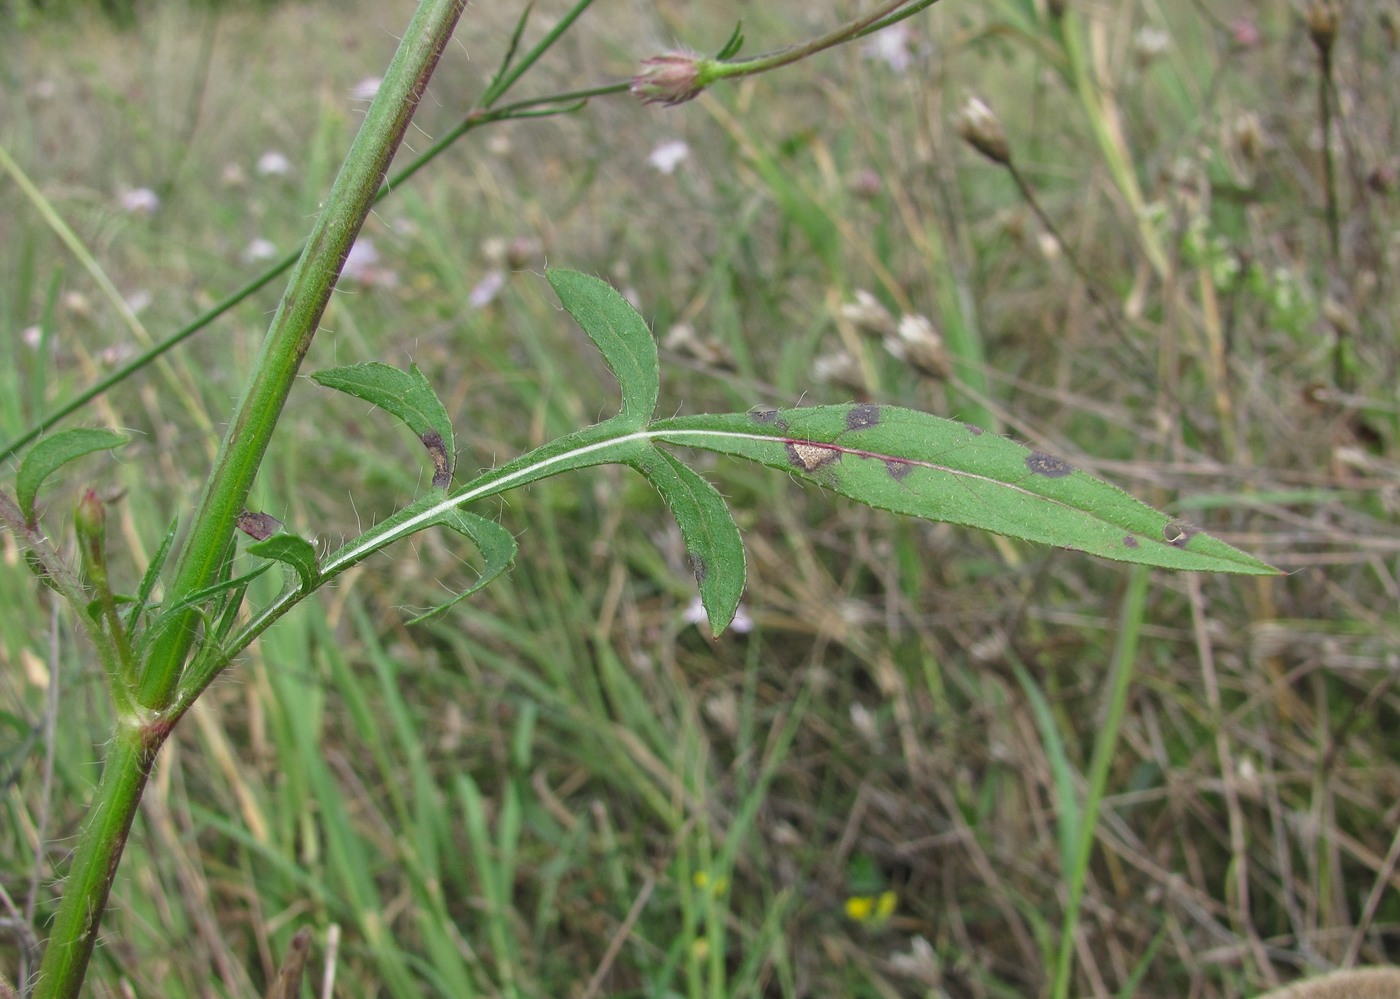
(564, 787)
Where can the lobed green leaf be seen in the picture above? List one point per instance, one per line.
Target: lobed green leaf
(711, 537)
(52, 453)
(913, 463)
(294, 551)
(406, 395)
(620, 334)
(497, 546)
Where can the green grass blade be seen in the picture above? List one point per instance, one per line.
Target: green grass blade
(913, 463)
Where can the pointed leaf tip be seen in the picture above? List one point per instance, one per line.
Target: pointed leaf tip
(712, 543)
(913, 463)
(407, 395)
(619, 333)
(52, 453)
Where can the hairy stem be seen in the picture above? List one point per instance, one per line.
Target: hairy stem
(142, 730)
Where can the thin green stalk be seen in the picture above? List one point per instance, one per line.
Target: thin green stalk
(882, 17)
(1130, 620)
(141, 730)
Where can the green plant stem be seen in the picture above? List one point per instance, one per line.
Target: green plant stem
(141, 731)
(89, 881)
(1130, 620)
(203, 557)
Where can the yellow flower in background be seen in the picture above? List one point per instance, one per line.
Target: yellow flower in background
(715, 886)
(872, 909)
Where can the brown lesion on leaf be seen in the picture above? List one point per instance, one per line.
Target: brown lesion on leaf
(1130, 542)
(1040, 463)
(698, 565)
(809, 457)
(1178, 534)
(898, 469)
(258, 526)
(867, 414)
(442, 461)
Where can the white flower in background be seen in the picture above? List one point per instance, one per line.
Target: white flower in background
(139, 301)
(894, 46)
(140, 201)
(365, 89)
(273, 164)
(487, 289)
(259, 250)
(32, 336)
(669, 155)
(695, 614)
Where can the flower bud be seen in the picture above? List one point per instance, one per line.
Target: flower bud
(980, 128)
(670, 78)
(90, 518)
(1322, 23)
(90, 524)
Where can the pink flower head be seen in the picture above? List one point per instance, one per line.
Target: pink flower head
(670, 78)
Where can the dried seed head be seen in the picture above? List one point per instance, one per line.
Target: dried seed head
(918, 344)
(1322, 23)
(1249, 137)
(868, 316)
(980, 128)
(1381, 179)
(1148, 44)
(670, 78)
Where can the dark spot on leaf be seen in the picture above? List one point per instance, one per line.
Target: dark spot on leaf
(258, 526)
(1048, 465)
(973, 429)
(768, 417)
(442, 463)
(1178, 534)
(810, 457)
(867, 414)
(898, 468)
(1130, 541)
(698, 565)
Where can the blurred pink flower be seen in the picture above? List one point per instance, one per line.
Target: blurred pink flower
(140, 201)
(259, 250)
(273, 164)
(669, 155)
(487, 289)
(1244, 32)
(894, 46)
(365, 89)
(362, 267)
